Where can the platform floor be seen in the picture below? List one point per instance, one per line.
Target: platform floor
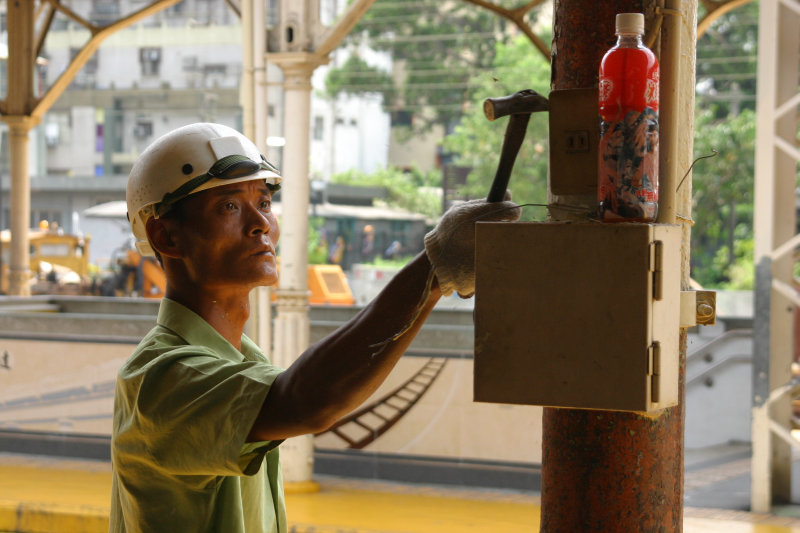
(54, 495)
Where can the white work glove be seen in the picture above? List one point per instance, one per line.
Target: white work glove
(451, 245)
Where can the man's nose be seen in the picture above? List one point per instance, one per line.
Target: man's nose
(258, 221)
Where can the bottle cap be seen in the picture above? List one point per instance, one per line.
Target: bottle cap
(630, 23)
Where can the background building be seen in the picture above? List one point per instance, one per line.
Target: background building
(180, 66)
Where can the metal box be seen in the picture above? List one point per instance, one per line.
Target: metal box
(579, 315)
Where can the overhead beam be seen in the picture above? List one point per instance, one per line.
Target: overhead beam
(338, 31)
(99, 34)
(715, 10)
(21, 58)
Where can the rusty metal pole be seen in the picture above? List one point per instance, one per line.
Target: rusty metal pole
(603, 470)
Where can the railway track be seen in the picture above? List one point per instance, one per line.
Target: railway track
(365, 425)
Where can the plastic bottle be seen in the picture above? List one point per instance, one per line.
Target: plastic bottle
(628, 104)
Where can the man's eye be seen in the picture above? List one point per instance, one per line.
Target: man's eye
(230, 206)
(265, 204)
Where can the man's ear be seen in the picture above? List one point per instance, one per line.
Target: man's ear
(160, 235)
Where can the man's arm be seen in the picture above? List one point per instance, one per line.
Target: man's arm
(341, 371)
(337, 374)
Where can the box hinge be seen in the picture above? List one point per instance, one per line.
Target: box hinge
(657, 268)
(654, 371)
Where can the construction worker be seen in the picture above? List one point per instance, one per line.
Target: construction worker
(199, 412)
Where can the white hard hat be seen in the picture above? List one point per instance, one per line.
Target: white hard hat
(185, 161)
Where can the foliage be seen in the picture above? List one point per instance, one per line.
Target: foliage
(435, 46)
(398, 263)
(414, 191)
(476, 142)
(356, 76)
(723, 199)
(442, 65)
(741, 272)
(722, 237)
(726, 62)
(317, 249)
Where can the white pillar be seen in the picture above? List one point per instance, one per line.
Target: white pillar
(20, 204)
(262, 295)
(774, 225)
(259, 327)
(246, 90)
(260, 75)
(291, 322)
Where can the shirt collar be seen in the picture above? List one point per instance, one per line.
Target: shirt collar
(196, 331)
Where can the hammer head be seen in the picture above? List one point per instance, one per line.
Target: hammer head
(523, 102)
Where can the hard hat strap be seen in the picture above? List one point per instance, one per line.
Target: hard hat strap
(229, 167)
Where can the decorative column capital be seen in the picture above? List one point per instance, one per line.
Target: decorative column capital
(297, 67)
(21, 124)
(292, 300)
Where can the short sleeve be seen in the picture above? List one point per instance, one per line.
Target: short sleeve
(194, 412)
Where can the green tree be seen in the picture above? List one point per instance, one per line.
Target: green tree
(726, 62)
(722, 237)
(476, 142)
(436, 48)
(414, 191)
(723, 199)
(356, 76)
(317, 248)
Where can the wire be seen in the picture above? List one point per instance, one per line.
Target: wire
(713, 153)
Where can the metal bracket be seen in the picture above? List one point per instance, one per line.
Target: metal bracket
(654, 369)
(698, 308)
(657, 268)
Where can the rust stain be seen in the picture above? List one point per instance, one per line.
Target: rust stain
(601, 470)
(582, 32)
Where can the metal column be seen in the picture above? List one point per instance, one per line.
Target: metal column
(602, 470)
(303, 44)
(776, 299)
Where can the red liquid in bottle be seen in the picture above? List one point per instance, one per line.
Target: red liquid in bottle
(628, 151)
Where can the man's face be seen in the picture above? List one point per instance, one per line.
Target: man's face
(228, 235)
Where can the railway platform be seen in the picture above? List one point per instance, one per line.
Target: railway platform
(57, 495)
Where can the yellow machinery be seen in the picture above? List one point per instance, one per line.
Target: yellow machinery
(328, 286)
(56, 259)
(145, 271)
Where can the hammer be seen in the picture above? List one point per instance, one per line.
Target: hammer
(519, 106)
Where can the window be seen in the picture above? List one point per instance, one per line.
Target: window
(98, 139)
(273, 13)
(319, 128)
(51, 131)
(143, 129)
(190, 63)
(85, 78)
(150, 60)
(104, 11)
(402, 117)
(215, 68)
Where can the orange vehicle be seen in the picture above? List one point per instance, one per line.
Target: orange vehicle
(133, 275)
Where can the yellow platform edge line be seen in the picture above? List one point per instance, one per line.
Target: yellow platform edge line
(35, 517)
(29, 517)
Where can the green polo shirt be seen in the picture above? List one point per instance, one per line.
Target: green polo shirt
(184, 404)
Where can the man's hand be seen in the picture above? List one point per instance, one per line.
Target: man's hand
(451, 244)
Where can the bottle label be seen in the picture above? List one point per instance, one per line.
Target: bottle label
(651, 90)
(628, 166)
